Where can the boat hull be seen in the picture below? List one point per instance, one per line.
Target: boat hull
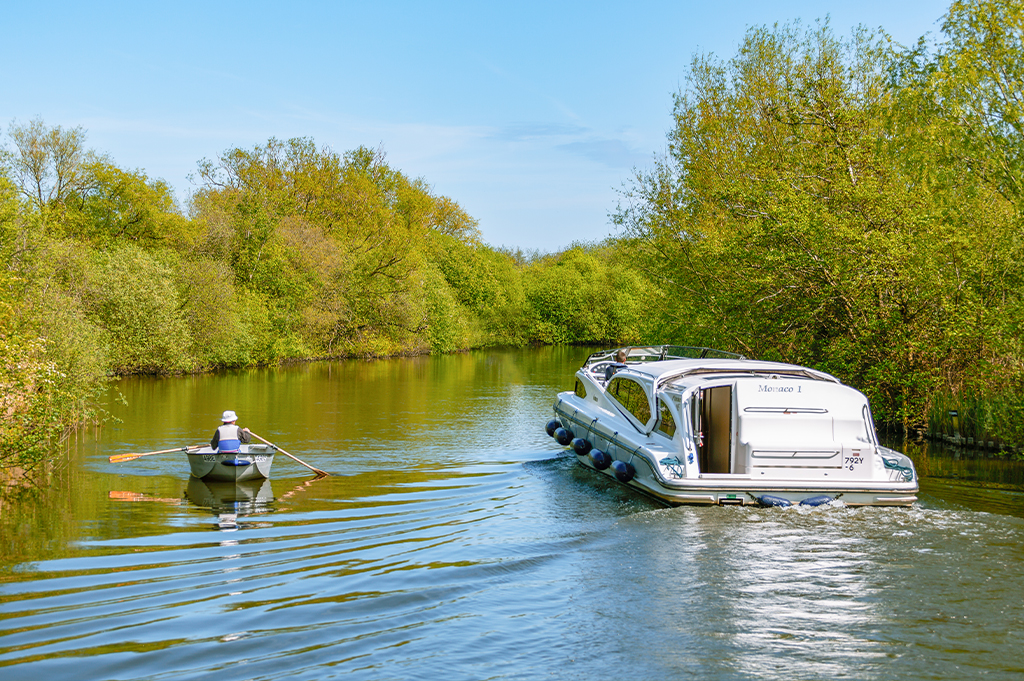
(251, 462)
(746, 493)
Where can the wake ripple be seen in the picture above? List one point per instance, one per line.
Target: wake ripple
(316, 585)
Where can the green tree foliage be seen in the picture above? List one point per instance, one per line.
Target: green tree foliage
(447, 320)
(131, 296)
(81, 297)
(220, 330)
(119, 206)
(335, 243)
(487, 283)
(975, 83)
(809, 209)
(969, 106)
(584, 295)
(45, 382)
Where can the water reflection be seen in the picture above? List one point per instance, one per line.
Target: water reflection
(231, 500)
(954, 477)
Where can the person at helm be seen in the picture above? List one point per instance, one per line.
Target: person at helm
(229, 437)
(620, 363)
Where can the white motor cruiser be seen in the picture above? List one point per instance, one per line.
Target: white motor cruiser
(700, 426)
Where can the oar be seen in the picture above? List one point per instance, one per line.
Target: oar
(315, 470)
(117, 458)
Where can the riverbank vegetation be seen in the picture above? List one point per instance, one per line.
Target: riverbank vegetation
(287, 251)
(846, 203)
(852, 205)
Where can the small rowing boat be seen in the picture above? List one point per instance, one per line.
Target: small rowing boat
(248, 463)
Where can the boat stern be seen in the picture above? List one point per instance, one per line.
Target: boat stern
(249, 463)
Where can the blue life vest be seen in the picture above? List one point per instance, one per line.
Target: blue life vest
(228, 441)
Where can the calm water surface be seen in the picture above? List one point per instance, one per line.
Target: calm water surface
(455, 541)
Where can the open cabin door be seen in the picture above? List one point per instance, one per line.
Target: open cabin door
(713, 416)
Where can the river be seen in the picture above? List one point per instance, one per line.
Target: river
(454, 541)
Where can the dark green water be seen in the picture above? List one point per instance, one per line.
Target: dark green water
(455, 541)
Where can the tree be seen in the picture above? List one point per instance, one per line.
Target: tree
(962, 120)
(582, 295)
(49, 162)
(976, 84)
(120, 206)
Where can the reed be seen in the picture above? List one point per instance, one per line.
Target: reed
(975, 419)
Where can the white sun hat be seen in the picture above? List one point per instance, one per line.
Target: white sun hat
(229, 416)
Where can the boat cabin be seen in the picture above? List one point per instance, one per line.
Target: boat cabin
(737, 417)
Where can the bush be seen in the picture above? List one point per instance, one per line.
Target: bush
(132, 297)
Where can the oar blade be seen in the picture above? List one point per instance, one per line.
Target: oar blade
(118, 458)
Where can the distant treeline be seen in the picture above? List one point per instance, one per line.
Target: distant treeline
(849, 204)
(852, 205)
(287, 251)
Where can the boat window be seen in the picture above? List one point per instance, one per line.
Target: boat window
(580, 389)
(632, 396)
(666, 423)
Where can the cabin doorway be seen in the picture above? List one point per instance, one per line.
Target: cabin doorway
(716, 427)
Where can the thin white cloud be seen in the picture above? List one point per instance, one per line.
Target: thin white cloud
(518, 132)
(610, 152)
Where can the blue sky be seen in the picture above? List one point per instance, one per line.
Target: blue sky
(531, 115)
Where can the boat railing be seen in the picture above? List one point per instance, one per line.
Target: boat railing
(657, 353)
(692, 352)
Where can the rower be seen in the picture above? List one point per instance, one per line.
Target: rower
(229, 437)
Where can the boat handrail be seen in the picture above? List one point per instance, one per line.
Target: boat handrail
(711, 372)
(694, 352)
(657, 353)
